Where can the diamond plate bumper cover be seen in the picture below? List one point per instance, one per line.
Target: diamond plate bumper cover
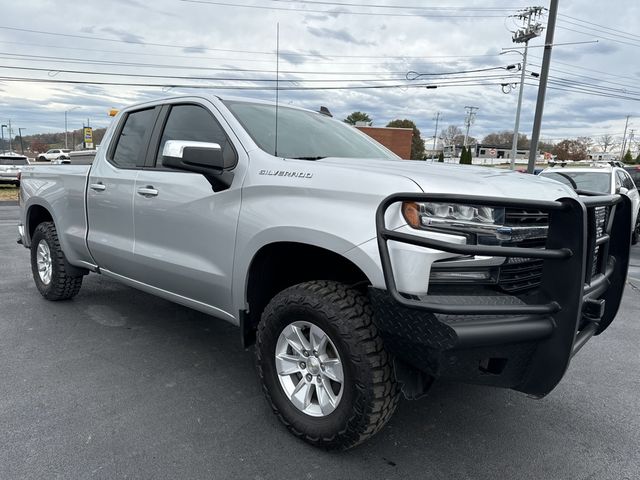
(524, 343)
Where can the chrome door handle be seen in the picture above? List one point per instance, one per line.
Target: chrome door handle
(148, 191)
(98, 187)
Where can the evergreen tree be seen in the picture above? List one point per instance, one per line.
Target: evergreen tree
(628, 158)
(441, 157)
(638, 158)
(463, 155)
(356, 117)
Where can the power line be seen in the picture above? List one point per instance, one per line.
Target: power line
(242, 87)
(599, 30)
(45, 58)
(598, 25)
(413, 75)
(591, 34)
(200, 48)
(399, 7)
(251, 60)
(340, 12)
(581, 68)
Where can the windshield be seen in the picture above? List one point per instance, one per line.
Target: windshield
(599, 182)
(303, 134)
(13, 161)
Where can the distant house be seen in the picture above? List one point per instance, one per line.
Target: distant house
(603, 157)
(398, 140)
(494, 154)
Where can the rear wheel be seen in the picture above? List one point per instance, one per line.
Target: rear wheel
(48, 265)
(323, 366)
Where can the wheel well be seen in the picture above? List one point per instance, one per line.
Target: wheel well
(281, 265)
(35, 216)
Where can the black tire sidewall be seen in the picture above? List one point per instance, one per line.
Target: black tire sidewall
(314, 427)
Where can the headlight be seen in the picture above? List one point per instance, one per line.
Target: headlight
(479, 224)
(452, 216)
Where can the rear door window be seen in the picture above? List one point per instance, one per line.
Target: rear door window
(133, 139)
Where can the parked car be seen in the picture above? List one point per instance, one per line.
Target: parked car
(11, 165)
(61, 161)
(634, 172)
(356, 274)
(53, 154)
(603, 178)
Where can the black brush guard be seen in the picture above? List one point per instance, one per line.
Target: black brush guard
(525, 345)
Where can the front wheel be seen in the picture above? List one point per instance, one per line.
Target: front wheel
(322, 364)
(48, 265)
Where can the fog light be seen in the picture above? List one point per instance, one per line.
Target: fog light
(459, 275)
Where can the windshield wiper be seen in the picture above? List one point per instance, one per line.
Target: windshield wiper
(308, 158)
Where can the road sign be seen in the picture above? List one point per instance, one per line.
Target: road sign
(88, 137)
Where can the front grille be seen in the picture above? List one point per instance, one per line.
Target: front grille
(601, 216)
(520, 274)
(518, 217)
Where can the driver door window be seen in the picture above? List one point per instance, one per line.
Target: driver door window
(194, 123)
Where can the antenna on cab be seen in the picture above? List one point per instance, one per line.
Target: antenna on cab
(275, 153)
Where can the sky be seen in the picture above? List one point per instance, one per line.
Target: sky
(338, 46)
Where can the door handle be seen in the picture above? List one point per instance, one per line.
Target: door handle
(148, 191)
(98, 187)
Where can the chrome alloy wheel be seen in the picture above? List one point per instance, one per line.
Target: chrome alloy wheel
(43, 259)
(309, 369)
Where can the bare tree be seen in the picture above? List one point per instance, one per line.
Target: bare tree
(450, 134)
(606, 142)
(505, 139)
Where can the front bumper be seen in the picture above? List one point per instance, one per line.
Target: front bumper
(6, 177)
(524, 342)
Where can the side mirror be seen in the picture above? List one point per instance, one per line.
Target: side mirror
(198, 157)
(622, 190)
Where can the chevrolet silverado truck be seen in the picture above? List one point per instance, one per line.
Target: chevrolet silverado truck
(356, 276)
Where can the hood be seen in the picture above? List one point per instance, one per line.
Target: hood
(464, 179)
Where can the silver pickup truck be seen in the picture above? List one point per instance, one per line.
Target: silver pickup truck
(357, 275)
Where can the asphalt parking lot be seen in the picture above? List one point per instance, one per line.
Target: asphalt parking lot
(119, 384)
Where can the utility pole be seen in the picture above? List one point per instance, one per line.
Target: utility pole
(21, 144)
(3, 127)
(523, 36)
(624, 138)
(542, 88)
(435, 136)
(469, 120)
(10, 135)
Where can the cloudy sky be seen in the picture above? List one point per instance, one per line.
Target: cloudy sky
(329, 50)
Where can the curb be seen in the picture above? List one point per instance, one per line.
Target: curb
(8, 203)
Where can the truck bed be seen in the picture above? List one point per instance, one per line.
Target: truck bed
(61, 190)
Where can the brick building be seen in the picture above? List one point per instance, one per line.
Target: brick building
(398, 140)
